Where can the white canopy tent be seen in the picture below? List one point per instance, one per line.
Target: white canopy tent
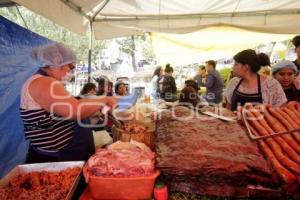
(105, 19)
(212, 43)
(116, 18)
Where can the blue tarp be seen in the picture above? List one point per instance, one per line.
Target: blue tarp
(16, 66)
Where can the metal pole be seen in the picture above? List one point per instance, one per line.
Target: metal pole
(22, 17)
(90, 51)
(75, 82)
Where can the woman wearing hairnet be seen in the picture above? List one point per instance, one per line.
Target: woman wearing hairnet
(53, 119)
(285, 72)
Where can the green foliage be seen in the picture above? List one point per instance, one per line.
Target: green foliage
(126, 44)
(80, 44)
(148, 51)
(129, 45)
(225, 74)
(54, 32)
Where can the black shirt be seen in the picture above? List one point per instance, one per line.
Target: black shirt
(292, 94)
(298, 65)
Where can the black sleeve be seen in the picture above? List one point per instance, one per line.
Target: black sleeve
(173, 85)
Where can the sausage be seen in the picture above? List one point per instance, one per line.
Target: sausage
(276, 149)
(293, 106)
(277, 139)
(293, 125)
(284, 173)
(297, 105)
(284, 119)
(292, 115)
(278, 127)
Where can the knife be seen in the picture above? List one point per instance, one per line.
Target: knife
(228, 119)
(118, 123)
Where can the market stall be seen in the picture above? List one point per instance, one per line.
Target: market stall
(194, 153)
(208, 152)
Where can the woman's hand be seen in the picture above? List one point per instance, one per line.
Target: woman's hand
(296, 82)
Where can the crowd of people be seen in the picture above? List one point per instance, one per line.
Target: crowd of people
(252, 79)
(163, 85)
(50, 115)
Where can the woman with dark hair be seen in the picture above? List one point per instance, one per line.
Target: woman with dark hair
(249, 86)
(296, 43)
(153, 84)
(120, 89)
(285, 72)
(192, 83)
(189, 95)
(166, 85)
(89, 89)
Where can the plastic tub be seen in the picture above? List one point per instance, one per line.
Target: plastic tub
(122, 187)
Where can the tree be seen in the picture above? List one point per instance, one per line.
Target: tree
(129, 46)
(225, 74)
(55, 32)
(38, 24)
(148, 51)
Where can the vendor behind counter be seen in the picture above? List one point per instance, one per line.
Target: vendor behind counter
(54, 121)
(249, 86)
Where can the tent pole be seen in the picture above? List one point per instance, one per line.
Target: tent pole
(21, 17)
(90, 51)
(91, 38)
(124, 17)
(100, 9)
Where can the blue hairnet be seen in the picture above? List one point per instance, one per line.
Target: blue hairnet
(54, 55)
(16, 66)
(284, 63)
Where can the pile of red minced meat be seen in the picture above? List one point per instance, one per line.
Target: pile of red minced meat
(121, 159)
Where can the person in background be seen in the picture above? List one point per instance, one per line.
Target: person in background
(105, 87)
(166, 85)
(285, 72)
(53, 119)
(158, 72)
(189, 96)
(89, 89)
(229, 77)
(121, 89)
(249, 86)
(296, 43)
(266, 71)
(214, 83)
(200, 76)
(192, 83)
